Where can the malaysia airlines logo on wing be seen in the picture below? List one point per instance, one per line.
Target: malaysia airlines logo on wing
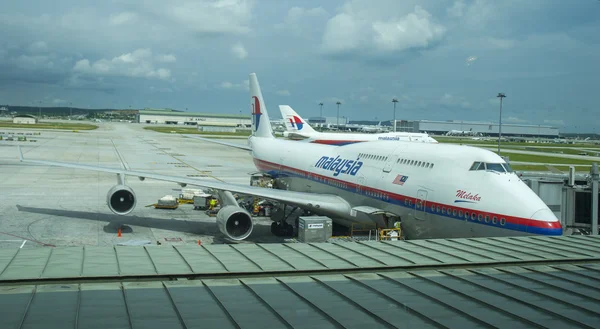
(339, 165)
(400, 180)
(256, 113)
(296, 122)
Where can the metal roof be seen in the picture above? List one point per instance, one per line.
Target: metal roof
(554, 296)
(75, 263)
(194, 114)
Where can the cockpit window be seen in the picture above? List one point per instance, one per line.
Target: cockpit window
(495, 167)
(507, 167)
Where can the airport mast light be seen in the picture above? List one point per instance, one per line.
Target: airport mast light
(394, 100)
(338, 114)
(500, 95)
(321, 118)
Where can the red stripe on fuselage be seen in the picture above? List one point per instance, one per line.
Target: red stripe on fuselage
(265, 165)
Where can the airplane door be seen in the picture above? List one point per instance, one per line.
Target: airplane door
(390, 163)
(421, 205)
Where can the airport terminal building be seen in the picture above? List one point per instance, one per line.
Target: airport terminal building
(169, 116)
(483, 128)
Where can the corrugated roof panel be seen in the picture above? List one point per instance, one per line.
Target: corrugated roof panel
(298, 260)
(58, 303)
(327, 260)
(506, 248)
(261, 257)
(64, 262)
(243, 306)
(168, 260)
(102, 306)
(6, 257)
(491, 255)
(200, 260)
(27, 264)
(232, 259)
(197, 306)
(297, 312)
(557, 247)
(385, 258)
(134, 261)
(13, 304)
(142, 306)
(404, 252)
(100, 261)
(349, 255)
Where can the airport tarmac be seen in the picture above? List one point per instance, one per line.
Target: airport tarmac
(43, 205)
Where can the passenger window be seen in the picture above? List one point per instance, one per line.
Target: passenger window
(479, 217)
(460, 213)
(438, 209)
(432, 208)
(473, 216)
(431, 165)
(487, 218)
(443, 210)
(502, 221)
(453, 212)
(495, 220)
(466, 215)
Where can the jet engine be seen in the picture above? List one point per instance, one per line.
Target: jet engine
(235, 222)
(121, 199)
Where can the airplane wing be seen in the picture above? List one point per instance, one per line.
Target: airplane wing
(211, 140)
(310, 201)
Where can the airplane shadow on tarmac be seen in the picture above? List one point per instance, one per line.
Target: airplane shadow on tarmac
(260, 233)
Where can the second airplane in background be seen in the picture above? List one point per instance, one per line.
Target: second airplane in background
(297, 128)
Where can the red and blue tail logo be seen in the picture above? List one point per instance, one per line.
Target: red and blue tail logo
(256, 113)
(296, 121)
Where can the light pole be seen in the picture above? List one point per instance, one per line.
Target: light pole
(70, 110)
(338, 115)
(40, 110)
(500, 95)
(321, 115)
(394, 101)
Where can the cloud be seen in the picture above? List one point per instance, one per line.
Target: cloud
(452, 101)
(38, 47)
(555, 122)
(166, 58)
(515, 120)
(302, 22)
(58, 101)
(457, 9)
(353, 32)
(245, 85)
(207, 17)
(135, 64)
(239, 51)
(122, 18)
(284, 92)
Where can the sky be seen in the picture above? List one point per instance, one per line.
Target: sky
(442, 59)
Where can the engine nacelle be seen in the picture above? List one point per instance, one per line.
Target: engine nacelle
(235, 222)
(120, 199)
(286, 134)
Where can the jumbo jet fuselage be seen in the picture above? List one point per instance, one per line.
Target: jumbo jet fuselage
(430, 186)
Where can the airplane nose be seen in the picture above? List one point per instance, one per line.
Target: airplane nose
(544, 214)
(544, 222)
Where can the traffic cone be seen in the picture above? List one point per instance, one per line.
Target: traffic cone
(119, 233)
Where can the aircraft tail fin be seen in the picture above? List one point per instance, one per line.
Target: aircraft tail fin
(261, 126)
(293, 121)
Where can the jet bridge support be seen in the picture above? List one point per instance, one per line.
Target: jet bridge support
(594, 178)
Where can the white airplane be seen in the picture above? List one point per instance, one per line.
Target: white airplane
(372, 129)
(436, 190)
(298, 128)
(461, 133)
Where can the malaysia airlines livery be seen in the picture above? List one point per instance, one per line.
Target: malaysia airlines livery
(297, 128)
(436, 190)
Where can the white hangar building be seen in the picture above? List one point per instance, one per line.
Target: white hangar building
(483, 128)
(168, 116)
(25, 119)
